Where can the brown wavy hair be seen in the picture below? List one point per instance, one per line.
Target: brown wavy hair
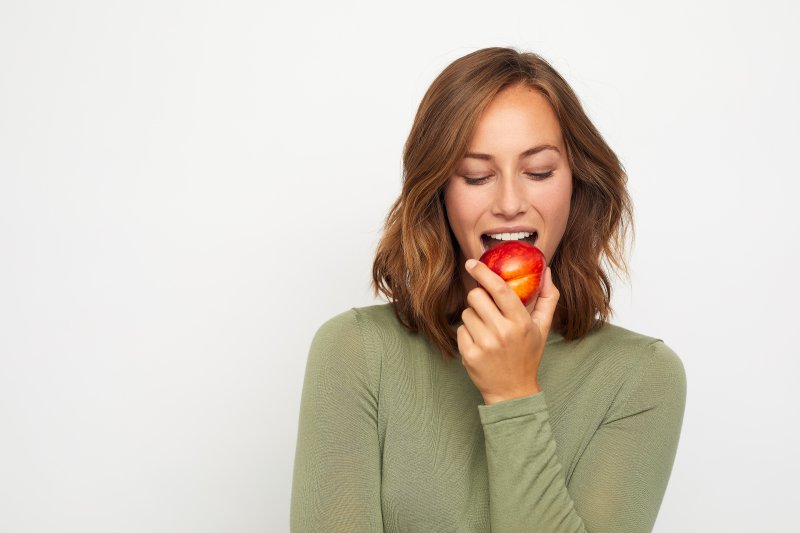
(416, 265)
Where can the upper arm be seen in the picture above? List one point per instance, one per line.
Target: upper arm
(336, 484)
(622, 475)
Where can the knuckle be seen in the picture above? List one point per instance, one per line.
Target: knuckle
(466, 356)
(492, 344)
(472, 295)
(504, 334)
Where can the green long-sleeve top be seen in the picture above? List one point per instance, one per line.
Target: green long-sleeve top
(394, 438)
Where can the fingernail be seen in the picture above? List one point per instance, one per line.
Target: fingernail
(471, 263)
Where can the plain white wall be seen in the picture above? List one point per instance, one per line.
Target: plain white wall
(188, 190)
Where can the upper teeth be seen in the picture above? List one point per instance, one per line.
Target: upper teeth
(509, 236)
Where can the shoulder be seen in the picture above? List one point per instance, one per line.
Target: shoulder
(342, 329)
(378, 316)
(349, 342)
(378, 325)
(650, 371)
(646, 353)
(364, 323)
(619, 346)
(609, 334)
(618, 361)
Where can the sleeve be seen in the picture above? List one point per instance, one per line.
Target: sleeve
(337, 469)
(620, 478)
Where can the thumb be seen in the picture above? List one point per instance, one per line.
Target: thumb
(545, 307)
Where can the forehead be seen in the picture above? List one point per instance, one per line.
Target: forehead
(517, 118)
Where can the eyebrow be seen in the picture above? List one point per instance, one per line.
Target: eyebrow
(526, 153)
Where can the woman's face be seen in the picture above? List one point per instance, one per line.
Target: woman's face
(514, 178)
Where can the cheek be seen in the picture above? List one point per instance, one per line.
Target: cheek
(555, 210)
(562, 206)
(457, 207)
(560, 203)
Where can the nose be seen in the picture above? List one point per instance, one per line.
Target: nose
(509, 198)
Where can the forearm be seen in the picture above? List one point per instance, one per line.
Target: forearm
(527, 489)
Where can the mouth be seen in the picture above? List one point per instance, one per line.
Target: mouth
(489, 242)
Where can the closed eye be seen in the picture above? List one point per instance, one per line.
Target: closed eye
(475, 181)
(541, 175)
(536, 176)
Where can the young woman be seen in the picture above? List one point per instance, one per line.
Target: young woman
(454, 407)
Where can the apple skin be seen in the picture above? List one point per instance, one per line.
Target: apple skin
(520, 264)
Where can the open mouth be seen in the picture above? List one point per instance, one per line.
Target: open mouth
(490, 242)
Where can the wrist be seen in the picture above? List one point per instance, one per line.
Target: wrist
(534, 388)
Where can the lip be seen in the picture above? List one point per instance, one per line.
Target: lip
(510, 229)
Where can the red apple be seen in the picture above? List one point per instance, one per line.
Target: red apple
(520, 264)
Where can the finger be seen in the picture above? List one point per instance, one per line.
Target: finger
(478, 331)
(504, 297)
(530, 306)
(485, 309)
(465, 342)
(546, 302)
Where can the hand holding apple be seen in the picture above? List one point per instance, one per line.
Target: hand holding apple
(500, 342)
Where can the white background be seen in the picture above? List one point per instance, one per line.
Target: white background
(188, 190)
